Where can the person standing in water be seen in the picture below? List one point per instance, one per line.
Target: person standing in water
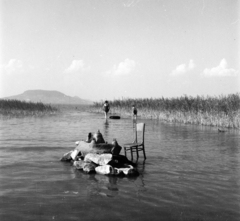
(106, 108)
(134, 111)
(134, 117)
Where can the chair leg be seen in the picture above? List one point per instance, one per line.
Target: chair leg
(144, 153)
(137, 152)
(131, 154)
(125, 152)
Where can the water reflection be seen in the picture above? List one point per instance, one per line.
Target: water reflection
(106, 129)
(134, 123)
(110, 186)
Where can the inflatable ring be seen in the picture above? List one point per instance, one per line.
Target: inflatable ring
(114, 117)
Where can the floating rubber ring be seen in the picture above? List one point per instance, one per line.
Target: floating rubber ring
(114, 117)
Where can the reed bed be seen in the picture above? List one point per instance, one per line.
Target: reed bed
(16, 108)
(220, 111)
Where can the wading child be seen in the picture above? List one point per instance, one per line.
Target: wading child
(134, 111)
(106, 108)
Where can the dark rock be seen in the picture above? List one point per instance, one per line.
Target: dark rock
(116, 148)
(67, 157)
(89, 167)
(120, 161)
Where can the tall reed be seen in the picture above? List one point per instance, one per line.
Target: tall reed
(23, 108)
(221, 111)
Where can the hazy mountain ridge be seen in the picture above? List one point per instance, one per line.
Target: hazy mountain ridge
(49, 97)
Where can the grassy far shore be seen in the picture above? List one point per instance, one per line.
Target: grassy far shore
(16, 108)
(221, 111)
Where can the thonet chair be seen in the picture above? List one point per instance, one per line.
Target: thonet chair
(137, 146)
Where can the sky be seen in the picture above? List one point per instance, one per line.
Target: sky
(115, 49)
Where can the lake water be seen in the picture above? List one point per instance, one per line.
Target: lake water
(191, 172)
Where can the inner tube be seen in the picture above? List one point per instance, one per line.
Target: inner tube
(114, 117)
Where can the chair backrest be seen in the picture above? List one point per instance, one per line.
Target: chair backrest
(140, 130)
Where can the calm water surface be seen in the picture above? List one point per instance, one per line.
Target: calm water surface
(191, 172)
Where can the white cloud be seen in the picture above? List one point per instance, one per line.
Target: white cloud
(124, 68)
(77, 65)
(220, 71)
(13, 65)
(191, 65)
(183, 68)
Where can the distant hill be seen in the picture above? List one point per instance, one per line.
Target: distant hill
(49, 97)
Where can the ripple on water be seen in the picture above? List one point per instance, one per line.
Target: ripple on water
(191, 172)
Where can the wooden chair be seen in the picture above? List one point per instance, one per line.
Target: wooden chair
(136, 146)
